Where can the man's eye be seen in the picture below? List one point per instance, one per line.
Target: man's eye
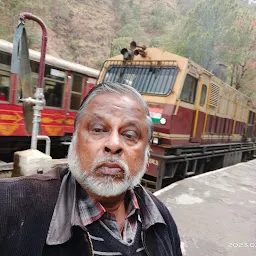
(131, 135)
(98, 129)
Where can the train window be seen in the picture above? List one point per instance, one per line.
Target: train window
(203, 95)
(75, 101)
(54, 73)
(34, 66)
(76, 92)
(54, 86)
(4, 85)
(77, 83)
(53, 92)
(189, 89)
(146, 79)
(5, 58)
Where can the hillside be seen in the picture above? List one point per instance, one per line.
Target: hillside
(79, 31)
(89, 31)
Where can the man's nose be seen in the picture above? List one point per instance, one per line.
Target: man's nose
(114, 144)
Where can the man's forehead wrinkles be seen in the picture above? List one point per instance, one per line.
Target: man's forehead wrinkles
(97, 115)
(125, 120)
(131, 109)
(127, 101)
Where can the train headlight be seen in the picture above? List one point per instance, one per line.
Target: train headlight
(162, 120)
(155, 141)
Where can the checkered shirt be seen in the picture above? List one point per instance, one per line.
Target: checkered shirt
(91, 211)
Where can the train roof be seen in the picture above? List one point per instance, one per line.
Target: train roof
(157, 54)
(6, 46)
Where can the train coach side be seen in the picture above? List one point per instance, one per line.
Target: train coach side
(65, 85)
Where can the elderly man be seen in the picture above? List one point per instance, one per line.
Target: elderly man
(96, 207)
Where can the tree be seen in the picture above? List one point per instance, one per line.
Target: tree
(216, 31)
(10, 9)
(61, 16)
(118, 44)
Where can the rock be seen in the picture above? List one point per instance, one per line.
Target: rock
(31, 161)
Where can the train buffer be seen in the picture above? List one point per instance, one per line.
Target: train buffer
(215, 212)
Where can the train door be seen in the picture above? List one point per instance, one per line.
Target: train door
(191, 108)
(199, 115)
(250, 125)
(194, 92)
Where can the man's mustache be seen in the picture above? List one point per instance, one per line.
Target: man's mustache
(110, 161)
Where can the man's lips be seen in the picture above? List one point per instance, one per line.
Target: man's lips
(113, 169)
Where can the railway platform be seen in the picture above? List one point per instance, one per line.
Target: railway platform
(215, 212)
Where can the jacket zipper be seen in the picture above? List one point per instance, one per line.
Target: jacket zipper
(90, 242)
(144, 243)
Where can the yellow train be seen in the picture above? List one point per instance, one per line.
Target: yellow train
(201, 123)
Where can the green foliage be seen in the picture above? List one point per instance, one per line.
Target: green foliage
(207, 31)
(1, 5)
(117, 5)
(3, 29)
(34, 40)
(215, 31)
(118, 44)
(61, 16)
(131, 2)
(137, 13)
(133, 30)
(99, 63)
(10, 9)
(185, 6)
(160, 17)
(134, 25)
(4, 32)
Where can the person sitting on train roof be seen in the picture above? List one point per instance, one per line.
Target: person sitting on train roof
(96, 206)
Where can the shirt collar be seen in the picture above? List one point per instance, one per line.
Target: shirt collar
(66, 213)
(90, 210)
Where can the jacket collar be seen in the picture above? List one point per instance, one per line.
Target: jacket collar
(149, 211)
(66, 215)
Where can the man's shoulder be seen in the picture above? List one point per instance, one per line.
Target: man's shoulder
(35, 186)
(28, 207)
(54, 174)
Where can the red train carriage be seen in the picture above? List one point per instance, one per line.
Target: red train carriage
(201, 123)
(65, 85)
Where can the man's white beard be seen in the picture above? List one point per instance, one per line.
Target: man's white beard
(104, 186)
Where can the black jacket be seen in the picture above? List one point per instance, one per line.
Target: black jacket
(26, 209)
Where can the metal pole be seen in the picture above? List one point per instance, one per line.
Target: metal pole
(47, 143)
(39, 95)
(29, 16)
